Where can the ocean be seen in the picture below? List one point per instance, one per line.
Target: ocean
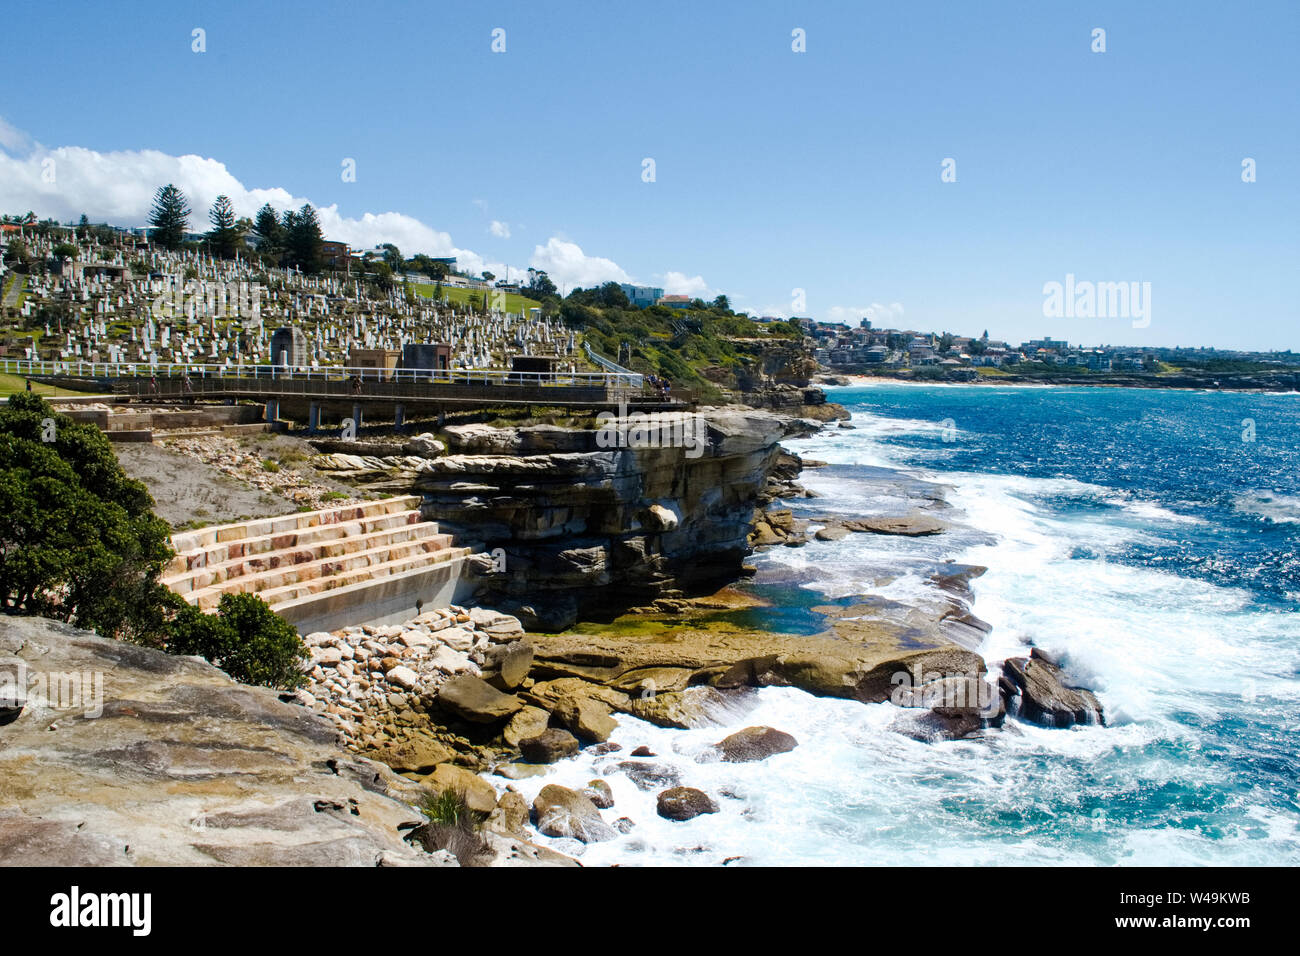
(1150, 539)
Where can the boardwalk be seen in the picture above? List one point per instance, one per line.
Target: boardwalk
(309, 392)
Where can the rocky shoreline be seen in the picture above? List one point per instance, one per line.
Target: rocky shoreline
(459, 704)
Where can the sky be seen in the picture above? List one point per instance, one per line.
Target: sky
(933, 166)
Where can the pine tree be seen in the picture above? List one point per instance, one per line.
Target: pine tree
(304, 239)
(269, 230)
(170, 216)
(224, 237)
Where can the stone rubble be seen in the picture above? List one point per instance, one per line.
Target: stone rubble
(360, 677)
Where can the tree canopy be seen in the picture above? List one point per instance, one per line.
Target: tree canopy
(224, 236)
(170, 216)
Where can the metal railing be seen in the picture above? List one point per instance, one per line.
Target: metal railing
(611, 366)
(622, 381)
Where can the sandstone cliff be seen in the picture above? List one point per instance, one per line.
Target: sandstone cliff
(577, 528)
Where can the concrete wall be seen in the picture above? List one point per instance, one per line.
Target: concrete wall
(388, 600)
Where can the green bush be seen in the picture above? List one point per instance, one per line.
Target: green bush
(245, 638)
(79, 541)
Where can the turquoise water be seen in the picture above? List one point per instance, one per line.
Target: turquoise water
(1132, 533)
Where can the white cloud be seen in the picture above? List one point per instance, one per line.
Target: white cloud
(679, 283)
(568, 265)
(118, 187)
(13, 139)
(881, 316)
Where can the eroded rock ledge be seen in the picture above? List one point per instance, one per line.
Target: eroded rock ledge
(585, 529)
(174, 763)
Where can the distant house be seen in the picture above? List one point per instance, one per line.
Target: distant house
(336, 255)
(641, 296)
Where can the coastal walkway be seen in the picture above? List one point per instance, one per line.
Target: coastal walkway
(390, 395)
(364, 563)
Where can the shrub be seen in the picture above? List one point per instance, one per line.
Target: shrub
(245, 638)
(452, 826)
(78, 539)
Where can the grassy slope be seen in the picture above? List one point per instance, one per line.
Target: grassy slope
(455, 296)
(16, 383)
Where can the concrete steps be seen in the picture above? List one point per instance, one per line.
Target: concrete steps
(333, 565)
(306, 560)
(317, 536)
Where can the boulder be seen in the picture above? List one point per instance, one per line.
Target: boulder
(599, 793)
(659, 518)
(528, 722)
(473, 699)
(931, 726)
(647, 776)
(419, 754)
(684, 803)
(510, 662)
(586, 717)
(561, 812)
(1035, 688)
(755, 743)
(425, 446)
(549, 746)
(831, 533)
(479, 795)
(510, 814)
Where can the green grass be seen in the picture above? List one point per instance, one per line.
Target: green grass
(455, 296)
(16, 383)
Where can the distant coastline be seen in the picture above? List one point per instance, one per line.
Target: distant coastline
(1281, 383)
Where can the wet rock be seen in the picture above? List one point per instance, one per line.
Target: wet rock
(755, 743)
(549, 746)
(1036, 688)
(912, 525)
(561, 812)
(644, 751)
(684, 803)
(647, 776)
(599, 792)
(831, 533)
(932, 726)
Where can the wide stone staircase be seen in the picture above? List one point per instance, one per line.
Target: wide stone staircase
(363, 563)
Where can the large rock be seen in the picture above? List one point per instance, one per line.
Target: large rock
(685, 709)
(426, 446)
(588, 718)
(528, 722)
(477, 701)
(1036, 689)
(755, 743)
(684, 803)
(647, 775)
(509, 664)
(168, 762)
(549, 746)
(912, 525)
(479, 795)
(561, 812)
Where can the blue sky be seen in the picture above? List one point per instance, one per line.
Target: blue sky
(775, 170)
